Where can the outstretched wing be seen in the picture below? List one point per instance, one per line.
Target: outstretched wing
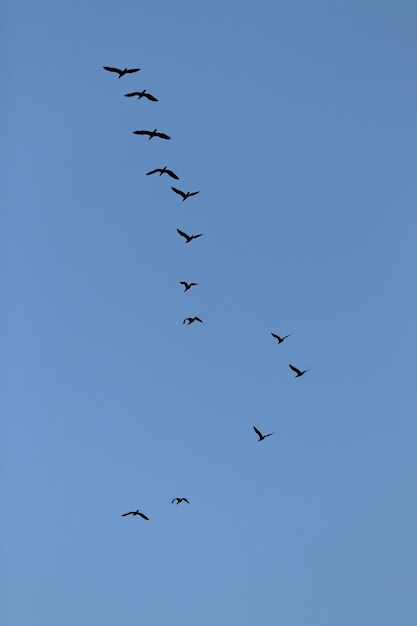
(142, 132)
(296, 370)
(193, 284)
(153, 171)
(113, 69)
(136, 69)
(195, 236)
(150, 97)
(162, 135)
(185, 500)
(276, 336)
(172, 501)
(179, 192)
(171, 173)
(130, 95)
(143, 515)
(130, 513)
(197, 319)
(269, 434)
(192, 193)
(258, 432)
(180, 232)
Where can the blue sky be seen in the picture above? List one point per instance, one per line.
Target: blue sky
(296, 121)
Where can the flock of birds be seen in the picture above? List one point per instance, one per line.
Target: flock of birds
(188, 238)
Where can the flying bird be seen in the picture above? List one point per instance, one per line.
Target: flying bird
(184, 194)
(260, 435)
(121, 72)
(298, 372)
(135, 513)
(188, 238)
(280, 339)
(151, 133)
(187, 285)
(180, 500)
(163, 170)
(142, 94)
(190, 320)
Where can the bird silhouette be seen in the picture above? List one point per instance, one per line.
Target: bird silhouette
(187, 285)
(142, 94)
(260, 435)
(180, 500)
(121, 72)
(188, 238)
(280, 339)
(135, 513)
(151, 133)
(297, 371)
(163, 170)
(190, 320)
(184, 194)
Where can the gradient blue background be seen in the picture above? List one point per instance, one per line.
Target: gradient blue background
(297, 121)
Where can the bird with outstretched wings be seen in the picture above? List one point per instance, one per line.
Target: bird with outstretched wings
(135, 513)
(152, 133)
(187, 238)
(184, 194)
(260, 435)
(298, 372)
(121, 72)
(141, 94)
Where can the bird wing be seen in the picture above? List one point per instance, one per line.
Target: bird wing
(193, 284)
(258, 432)
(162, 135)
(172, 501)
(136, 69)
(195, 236)
(197, 319)
(171, 173)
(185, 500)
(192, 193)
(153, 171)
(143, 515)
(129, 95)
(179, 192)
(187, 319)
(150, 97)
(183, 234)
(276, 336)
(142, 132)
(269, 434)
(182, 282)
(112, 69)
(130, 513)
(285, 336)
(296, 370)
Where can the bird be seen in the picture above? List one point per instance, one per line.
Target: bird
(180, 500)
(142, 94)
(188, 238)
(151, 133)
(280, 339)
(184, 194)
(187, 285)
(121, 72)
(163, 170)
(260, 435)
(190, 320)
(135, 513)
(297, 371)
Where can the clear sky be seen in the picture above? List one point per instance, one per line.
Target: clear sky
(296, 121)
